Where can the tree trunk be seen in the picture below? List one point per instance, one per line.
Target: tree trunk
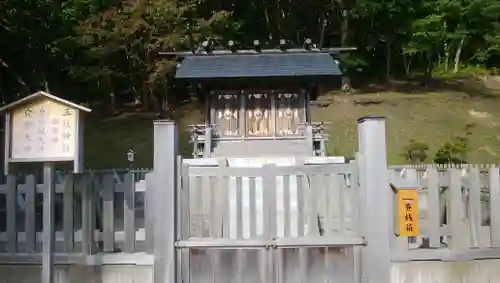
(407, 64)
(155, 101)
(112, 102)
(46, 85)
(112, 96)
(268, 21)
(429, 62)
(137, 96)
(458, 53)
(344, 28)
(145, 95)
(344, 33)
(18, 78)
(446, 49)
(446, 57)
(279, 17)
(388, 58)
(164, 101)
(166, 111)
(322, 31)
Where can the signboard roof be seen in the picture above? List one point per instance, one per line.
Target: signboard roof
(39, 94)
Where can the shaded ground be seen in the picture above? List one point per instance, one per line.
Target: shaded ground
(433, 113)
(108, 140)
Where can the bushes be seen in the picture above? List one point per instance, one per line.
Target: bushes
(452, 152)
(416, 151)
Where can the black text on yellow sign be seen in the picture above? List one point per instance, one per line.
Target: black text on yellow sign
(408, 212)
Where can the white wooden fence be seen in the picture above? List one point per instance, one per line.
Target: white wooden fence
(293, 223)
(459, 212)
(95, 213)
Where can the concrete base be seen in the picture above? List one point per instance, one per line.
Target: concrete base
(262, 148)
(78, 274)
(479, 271)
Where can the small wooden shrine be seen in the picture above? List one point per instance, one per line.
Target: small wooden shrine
(258, 101)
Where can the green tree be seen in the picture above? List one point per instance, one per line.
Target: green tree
(108, 48)
(122, 43)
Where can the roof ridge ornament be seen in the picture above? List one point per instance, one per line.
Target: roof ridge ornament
(206, 49)
(275, 65)
(256, 45)
(231, 46)
(282, 44)
(308, 44)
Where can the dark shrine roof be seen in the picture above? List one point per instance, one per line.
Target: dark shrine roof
(258, 66)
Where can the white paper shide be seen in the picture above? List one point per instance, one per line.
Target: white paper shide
(44, 129)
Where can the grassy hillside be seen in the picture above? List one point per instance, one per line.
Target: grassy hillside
(433, 115)
(432, 118)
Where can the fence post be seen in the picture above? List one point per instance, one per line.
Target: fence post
(48, 234)
(165, 177)
(150, 213)
(310, 141)
(376, 256)
(208, 142)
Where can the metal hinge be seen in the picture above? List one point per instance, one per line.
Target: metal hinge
(271, 245)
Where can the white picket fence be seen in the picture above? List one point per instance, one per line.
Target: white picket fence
(459, 210)
(94, 213)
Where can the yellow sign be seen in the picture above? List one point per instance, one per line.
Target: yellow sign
(408, 212)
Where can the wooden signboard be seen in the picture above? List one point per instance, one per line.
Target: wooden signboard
(44, 128)
(408, 222)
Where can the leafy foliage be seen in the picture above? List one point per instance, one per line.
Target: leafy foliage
(107, 50)
(455, 151)
(452, 152)
(416, 151)
(125, 41)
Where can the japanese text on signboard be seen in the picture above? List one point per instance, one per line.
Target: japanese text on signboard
(44, 129)
(408, 212)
